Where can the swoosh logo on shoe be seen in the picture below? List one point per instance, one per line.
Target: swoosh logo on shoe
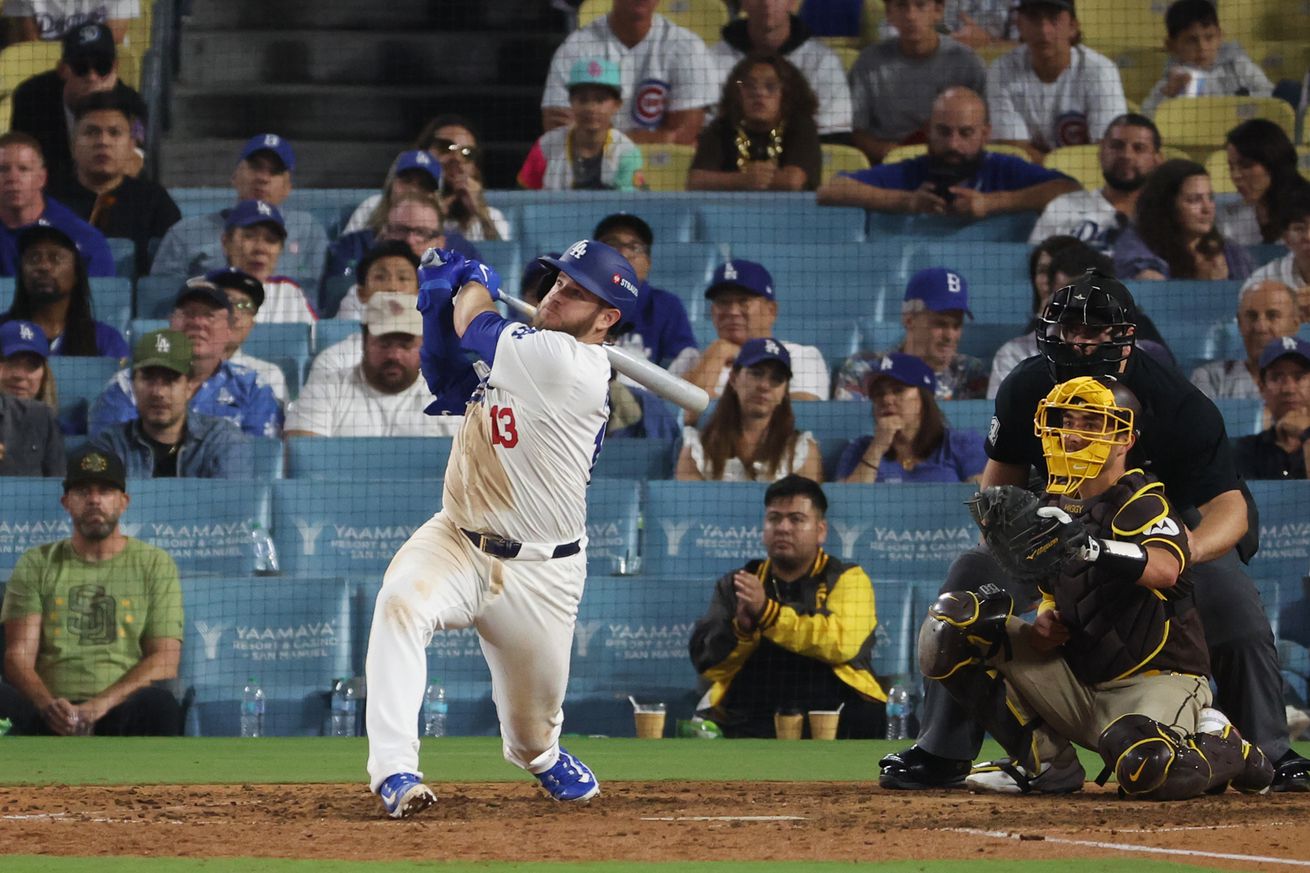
(388, 799)
(1132, 777)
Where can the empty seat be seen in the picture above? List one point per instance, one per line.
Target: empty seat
(839, 159)
(561, 218)
(277, 340)
(1187, 300)
(1203, 122)
(1010, 227)
(666, 166)
(701, 529)
(778, 219)
(365, 459)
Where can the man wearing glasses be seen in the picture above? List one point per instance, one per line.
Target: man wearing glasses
(217, 386)
(263, 171)
(43, 104)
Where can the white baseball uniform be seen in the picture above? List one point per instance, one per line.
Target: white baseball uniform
(1073, 110)
(519, 470)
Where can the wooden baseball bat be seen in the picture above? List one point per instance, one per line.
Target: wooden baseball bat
(643, 372)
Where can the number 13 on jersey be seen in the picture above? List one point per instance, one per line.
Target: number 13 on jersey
(504, 431)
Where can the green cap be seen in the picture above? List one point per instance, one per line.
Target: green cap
(169, 349)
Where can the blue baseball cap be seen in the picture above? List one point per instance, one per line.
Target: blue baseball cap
(602, 271)
(417, 159)
(1284, 347)
(248, 213)
(17, 337)
(761, 349)
(906, 369)
(269, 142)
(747, 276)
(940, 289)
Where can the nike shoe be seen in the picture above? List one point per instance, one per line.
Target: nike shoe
(569, 779)
(1291, 773)
(403, 795)
(914, 769)
(1062, 776)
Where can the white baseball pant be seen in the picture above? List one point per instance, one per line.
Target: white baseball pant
(524, 612)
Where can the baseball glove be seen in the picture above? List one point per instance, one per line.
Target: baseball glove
(1030, 541)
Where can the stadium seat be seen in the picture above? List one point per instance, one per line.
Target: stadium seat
(269, 458)
(192, 202)
(1122, 22)
(701, 529)
(988, 264)
(1140, 67)
(1201, 123)
(79, 381)
(330, 331)
(902, 531)
(1187, 300)
(777, 220)
(23, 60)
(666, 166)
(906, 152)
(562, 218)
(507, 256)
(848, 54)
(1082, 162)
(1242, 416)
(155, 295)
(1284, 551)
(1281, 58)
(640, 458)
(364, 459)
(1253, 20)
(294, 639)
(842, 159)
(124, 254)
(1009, 227)
(835, 278)
(280, 339)
(202, 523)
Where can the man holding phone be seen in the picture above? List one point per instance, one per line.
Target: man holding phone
(957, 176)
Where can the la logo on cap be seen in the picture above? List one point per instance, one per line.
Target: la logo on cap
(264, 208)
(95, 463)
(162, 344)
(771, 347)
(25, 332)
(886, 364)
(577, 250)
(729, 272)
(1289, 343)
(272, 140)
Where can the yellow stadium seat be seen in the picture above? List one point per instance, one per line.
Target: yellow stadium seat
(1203, 122)
(6, 111)
(842, 159)
(705, 18)
(1280, 59)
(26, 59)
(1124, 22)
(138, 30)
(129, 65)
(1217, 166)
(874, 12)
(1140, 67)
(666, 166)
(1082, 162)
(1250, 20)
(905, 152)
(847, 54)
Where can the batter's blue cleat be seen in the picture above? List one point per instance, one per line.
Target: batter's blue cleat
(404, 795)
(569, 779)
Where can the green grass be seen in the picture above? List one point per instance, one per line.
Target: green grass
(191, 760)
(45, 864)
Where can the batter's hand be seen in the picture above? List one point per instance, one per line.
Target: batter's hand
(750, 597)
(476, 271)
(438, 274)
(1048, 631)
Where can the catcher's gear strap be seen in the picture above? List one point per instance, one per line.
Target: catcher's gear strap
(1125, 561)
(962, 628)
(1150, 761)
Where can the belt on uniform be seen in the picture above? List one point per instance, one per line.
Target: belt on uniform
(499, 547)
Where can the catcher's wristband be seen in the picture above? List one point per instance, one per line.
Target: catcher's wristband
(1124, 560)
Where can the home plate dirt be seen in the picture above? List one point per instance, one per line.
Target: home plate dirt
(653, 821)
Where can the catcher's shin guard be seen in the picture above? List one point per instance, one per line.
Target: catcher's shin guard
(963, 628)
(1150, 761)
(1234, 761)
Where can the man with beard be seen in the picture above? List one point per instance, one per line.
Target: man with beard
(956, 177)
(1130, 150)
(165, 440)
(92, 621)
(382, 395)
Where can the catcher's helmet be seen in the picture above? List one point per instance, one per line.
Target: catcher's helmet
(1093, 300)
(1078, 423)
(602, 271)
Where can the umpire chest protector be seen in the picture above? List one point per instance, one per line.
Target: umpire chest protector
(1118, 628)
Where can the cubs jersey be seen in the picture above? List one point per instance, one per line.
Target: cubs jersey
(1075, 109)
(668, 71)
(523, 456)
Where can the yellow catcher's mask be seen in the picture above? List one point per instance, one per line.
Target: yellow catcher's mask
(1078, 423)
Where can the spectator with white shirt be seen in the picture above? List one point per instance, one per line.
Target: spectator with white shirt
(770, 27)
(389, 267)
(1266, 311)
(744, 306)
(668, 77)
(1293, 268)
(1052, 91)
(383, 394)
(46, 20)
(247, 296)
(253, 239)
(1129, 151)
(263, 171)
(894, 82)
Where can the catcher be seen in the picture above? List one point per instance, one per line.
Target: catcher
(1116, 659)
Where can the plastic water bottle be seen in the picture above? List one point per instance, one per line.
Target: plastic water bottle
(265, 553)
(898, 713)
(343, 708)
(434, 711)
(252, 709)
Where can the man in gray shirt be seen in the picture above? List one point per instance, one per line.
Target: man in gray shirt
(894, 83)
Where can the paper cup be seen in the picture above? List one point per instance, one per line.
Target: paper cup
(823, 724)
(649, 718)
(788, 726)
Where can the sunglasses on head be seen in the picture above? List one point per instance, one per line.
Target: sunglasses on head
(83, 67)
(445, 145)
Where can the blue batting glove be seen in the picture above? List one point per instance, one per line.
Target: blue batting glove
(438, 276)
(476, 271)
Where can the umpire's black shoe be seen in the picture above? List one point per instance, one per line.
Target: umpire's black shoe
(1291, 773)
(914, 769)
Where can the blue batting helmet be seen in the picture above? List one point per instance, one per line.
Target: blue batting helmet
(602, 271)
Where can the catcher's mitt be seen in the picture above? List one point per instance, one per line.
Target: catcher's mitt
(1029, 540)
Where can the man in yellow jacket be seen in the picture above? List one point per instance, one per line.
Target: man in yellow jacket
(794, 632)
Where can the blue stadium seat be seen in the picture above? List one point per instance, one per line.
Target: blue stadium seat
(991, 263)
(202, 201)
(1186, 300)
(367, 458)
(552, 222)
(79, 382)
(293, 639)
(635, 458)
(846, 279)
(331, 292)
(202, 523)
(269, 458)
(508, 257)
(899, 604)
(974, 415)
(142, 326)
(330, 331)
(777, 220)
(701, 529)
(1284, 541)
(1242, 416)
(1012, 227)
(155, 295)
(276, 340)
(124, 254)
(982, 339)
(32, 516)
(111, 300)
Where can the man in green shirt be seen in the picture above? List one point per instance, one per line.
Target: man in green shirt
(91, 622)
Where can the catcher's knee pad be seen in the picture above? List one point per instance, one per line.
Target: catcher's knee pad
(1233, 761)
(962, 628)
(1150, 761)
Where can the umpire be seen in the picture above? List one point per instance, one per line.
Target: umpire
(1088, 329)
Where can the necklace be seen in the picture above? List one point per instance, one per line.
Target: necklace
(772, 151)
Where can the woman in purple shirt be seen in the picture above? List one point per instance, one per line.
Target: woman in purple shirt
(1175, 235)
(910, 440)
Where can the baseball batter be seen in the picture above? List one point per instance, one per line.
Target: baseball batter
(1116, 658)
(507, 552)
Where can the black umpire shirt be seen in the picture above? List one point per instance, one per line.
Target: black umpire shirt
(1183, 442)
(1259, 457)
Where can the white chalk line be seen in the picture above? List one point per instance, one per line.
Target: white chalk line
(724, 818)
(1130, 847)
(63, 816)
